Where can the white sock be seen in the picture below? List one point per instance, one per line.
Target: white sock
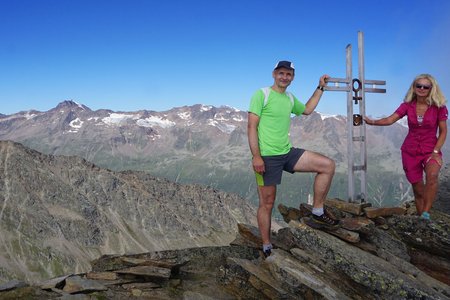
(317, 211)
(267, 247)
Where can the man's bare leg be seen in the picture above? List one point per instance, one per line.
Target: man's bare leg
(324, 167)
(267, 196)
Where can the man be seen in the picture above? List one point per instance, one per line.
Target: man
(269, 120)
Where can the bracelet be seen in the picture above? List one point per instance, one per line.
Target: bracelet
(320, 88)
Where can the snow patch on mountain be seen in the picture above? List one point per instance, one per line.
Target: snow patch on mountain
(230, 109)
(155, 121)
(205, 107)
(239, 119)
(28, 115)
(117, 119)
(224, 127)
(76, 124)
(80, 105)
(220, 118)
(327, 116)
(185, 115)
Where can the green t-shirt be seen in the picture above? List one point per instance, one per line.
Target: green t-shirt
(275, 121)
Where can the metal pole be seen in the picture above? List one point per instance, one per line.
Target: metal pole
(362, 111)
(351, 188)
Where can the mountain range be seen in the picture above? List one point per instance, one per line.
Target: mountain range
(207, 145)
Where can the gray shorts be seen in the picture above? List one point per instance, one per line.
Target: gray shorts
(276, 164)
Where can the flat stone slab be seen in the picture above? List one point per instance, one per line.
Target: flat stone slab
(102, 275)
(163, 263)
(141, 285)
(56, 283)
(290, 213)
(150, 271)
(353, 208)
(343, 234)
(372, 212)
(76, 284)
(358, 224)
(13, 284)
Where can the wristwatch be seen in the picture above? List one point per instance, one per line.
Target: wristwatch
(320, 88)
(435, 151)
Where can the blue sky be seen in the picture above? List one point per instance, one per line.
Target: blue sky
(128, 55)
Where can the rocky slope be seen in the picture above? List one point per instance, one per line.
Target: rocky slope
(377, 254)
(443, 197)
(57, 213)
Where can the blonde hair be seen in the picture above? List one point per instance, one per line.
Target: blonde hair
(435, 97)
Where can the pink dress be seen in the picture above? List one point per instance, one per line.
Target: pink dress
(421, 138)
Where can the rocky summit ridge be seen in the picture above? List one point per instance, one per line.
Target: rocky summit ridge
(378, 253)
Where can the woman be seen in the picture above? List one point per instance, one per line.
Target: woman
(424, 104)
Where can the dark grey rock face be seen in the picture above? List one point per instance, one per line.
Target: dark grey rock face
(442, 202)
(306, 264)
(57, 213)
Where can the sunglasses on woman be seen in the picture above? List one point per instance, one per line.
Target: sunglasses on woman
(423, 87)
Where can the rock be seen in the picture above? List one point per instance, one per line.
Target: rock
(252, 280)
(102, 275)
(196, 296)
(387, 245)
(442, 202)
(76, 284)
(290, 213)
(302, 279)
(358, 224)
(437, 267)
(141, 285)
(430, 236)
(373, 212)
(163, 263)
(342, 233)
(353, 208)
(13, 284)
(409, 260)
(248, 235)
(54, 283)
(372, 272)
(147, 271)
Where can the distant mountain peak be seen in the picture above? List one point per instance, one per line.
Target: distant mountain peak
(71, 105)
